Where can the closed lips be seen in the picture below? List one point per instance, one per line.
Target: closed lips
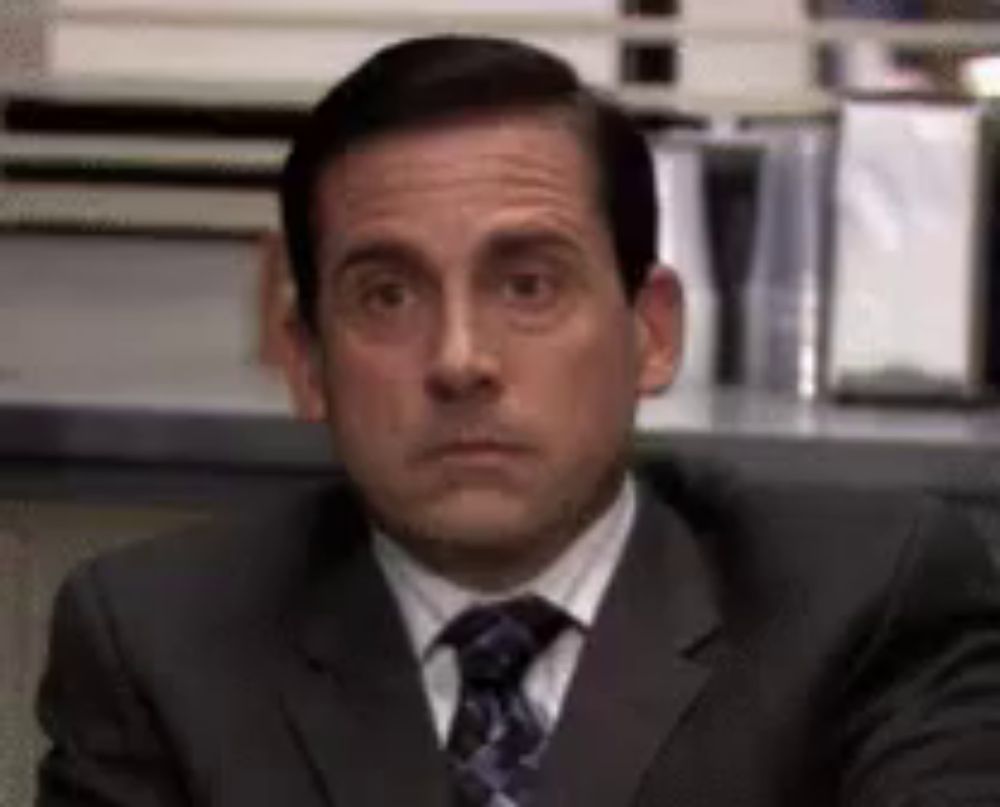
(474, 447)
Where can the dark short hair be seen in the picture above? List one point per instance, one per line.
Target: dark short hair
(428, 81)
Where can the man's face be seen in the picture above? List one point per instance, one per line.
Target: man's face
(476, 360)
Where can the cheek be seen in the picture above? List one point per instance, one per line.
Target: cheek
(588, 388)
(371, 395)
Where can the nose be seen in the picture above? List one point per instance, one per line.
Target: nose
(464, 363)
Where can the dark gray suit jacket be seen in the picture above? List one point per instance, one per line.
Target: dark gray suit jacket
(755, 649)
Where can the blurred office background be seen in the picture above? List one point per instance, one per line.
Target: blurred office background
(831, 207)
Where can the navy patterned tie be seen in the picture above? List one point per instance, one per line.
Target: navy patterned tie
(497, 738)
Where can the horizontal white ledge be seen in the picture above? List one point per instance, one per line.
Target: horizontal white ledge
(805, 102)
(302, 95)
(929, 34)
(188, 92)
(142, 151)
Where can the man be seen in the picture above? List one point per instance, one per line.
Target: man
(496, 611)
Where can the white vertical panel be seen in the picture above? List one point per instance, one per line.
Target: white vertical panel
(683, 247)
(906, 245)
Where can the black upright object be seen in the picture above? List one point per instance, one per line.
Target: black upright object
(732, 180)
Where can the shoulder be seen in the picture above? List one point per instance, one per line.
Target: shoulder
(217, 576)
(810, 550)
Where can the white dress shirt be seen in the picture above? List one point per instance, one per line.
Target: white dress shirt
(575, 582)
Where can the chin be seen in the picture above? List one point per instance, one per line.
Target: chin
(475, 517)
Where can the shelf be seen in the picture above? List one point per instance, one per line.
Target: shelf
(240, 419)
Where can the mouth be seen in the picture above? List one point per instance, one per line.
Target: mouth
(474, 450)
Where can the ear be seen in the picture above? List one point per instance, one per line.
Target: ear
(301, 361)
(659, 321)
(284, 340)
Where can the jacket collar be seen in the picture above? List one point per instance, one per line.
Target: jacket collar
(352, 689)
(642, 668)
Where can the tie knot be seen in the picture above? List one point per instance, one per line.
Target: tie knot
(496, 643)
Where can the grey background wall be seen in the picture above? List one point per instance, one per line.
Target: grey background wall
(39, 542)
(101, 321)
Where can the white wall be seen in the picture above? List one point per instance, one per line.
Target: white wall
(315, 53)
(102, 320)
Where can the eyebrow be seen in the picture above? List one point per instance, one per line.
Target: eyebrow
(503, 243)
(377, 251)
(520, 240)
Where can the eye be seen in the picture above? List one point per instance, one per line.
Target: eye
(386, 295)
(531, 286)
(528, 286)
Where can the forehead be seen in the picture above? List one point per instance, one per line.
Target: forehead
(530, 162)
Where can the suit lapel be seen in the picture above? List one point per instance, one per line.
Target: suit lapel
(637, 676)
(351, 687)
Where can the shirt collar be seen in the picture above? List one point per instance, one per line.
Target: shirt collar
(575, 581)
